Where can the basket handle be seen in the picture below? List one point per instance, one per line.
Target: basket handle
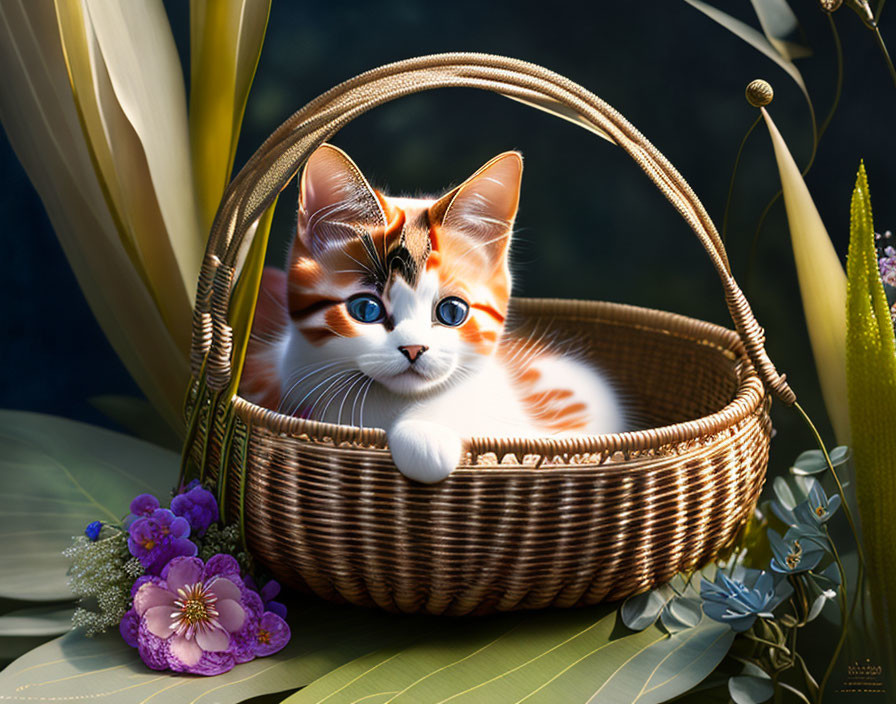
(281, 156)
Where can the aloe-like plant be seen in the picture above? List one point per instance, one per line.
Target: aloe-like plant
(871, 375)
(94, 104)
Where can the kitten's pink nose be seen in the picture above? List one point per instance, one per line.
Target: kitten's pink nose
(412, 352)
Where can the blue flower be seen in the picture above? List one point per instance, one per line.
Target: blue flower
(739, 599)
(800, 550)
(92, 530)
(817, 508)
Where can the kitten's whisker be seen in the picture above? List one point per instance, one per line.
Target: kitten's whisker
(342, 386)
(306, 376)
(363, 401)
(339, 378)
(345, 398)
(330, 377)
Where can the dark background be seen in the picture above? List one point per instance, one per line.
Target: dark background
(590, 225)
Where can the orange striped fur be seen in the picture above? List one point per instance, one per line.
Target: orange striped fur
(355, 240)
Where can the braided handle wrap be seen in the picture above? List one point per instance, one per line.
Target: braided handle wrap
(281, 156)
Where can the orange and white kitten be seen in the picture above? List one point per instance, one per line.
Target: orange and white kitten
(391, 315)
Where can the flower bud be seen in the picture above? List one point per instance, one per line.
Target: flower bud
(759, 93)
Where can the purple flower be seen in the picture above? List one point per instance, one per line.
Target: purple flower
(271, 636)
(142, 506)
(268, 593)
(92, 530)
(159, 538)
(129, 627)
(186, 622)
(887, 265)
(198, 506)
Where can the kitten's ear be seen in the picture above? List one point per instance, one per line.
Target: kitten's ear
(484, 206)
(336, 203)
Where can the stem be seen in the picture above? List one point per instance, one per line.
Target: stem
(767, 643)
(740, 150)
(883, 50)
(845, 613)
(816, 139)
(845, 503)
(838, 84)
(795, 691)
(811, 684)
(800, 590)
(845, 610)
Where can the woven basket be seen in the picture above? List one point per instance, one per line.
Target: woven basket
(520, 523)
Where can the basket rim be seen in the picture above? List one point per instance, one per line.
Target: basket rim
(749, 396)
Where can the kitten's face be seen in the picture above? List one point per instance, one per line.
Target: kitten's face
(412, 293)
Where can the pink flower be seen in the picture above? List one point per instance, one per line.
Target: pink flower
(186, 620)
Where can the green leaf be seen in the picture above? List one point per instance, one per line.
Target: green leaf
(225, 44)
(105, 669)
(681, 613)
(752, 686)
(757, 40)
(781, 28)
(138, 417)
(813, 461)
(574, 655)
(24, 629)
(822, 283)
(245, 295)
(50, 620)
(783, 493)
(642, 610)
(871, 374)
(44, 127)
(56, 476)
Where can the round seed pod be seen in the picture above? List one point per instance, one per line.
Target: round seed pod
(759, 93)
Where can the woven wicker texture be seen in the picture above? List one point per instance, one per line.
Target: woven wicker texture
(520, 523)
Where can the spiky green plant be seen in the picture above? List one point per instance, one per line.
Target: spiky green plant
(871, 379)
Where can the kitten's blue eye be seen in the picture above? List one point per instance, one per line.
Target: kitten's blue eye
(366, 308)
(452, 311)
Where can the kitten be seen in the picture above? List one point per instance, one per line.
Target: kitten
(392, 314)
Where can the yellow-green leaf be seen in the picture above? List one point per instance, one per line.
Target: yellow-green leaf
(871, 372)
(225, 43)
(760, 42)
(781, 28)
(135, 44)
(578, 655)
(822, 285)
(128, 157)
(41, 121)
(245, 294)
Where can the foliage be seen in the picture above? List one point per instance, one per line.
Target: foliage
(871, 370)
(822, 284)
(130, 195)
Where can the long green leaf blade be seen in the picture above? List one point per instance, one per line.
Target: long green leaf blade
(245, 294)
(40, 119)
(822, 284)
(225, 44)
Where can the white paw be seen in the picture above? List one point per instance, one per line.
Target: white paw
(422, 451)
